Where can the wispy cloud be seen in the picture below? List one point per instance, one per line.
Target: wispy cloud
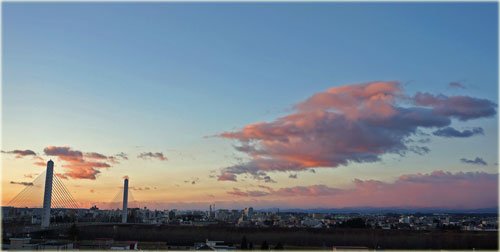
(30, 175)
(95, 155)
(456, 84)
(21, 153)
(139, 188)
(227, 176)
(476, 161)
(192, 181)
(452, 132)
(39, 161)
(122, 155)
(238, 192)
(21, 183)
(151, 155)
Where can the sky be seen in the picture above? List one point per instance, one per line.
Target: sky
(290, 105)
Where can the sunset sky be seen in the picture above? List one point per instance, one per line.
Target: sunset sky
(284, 105)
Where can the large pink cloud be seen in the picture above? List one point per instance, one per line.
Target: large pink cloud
(436, 189)
(79, 165)
(353, 123)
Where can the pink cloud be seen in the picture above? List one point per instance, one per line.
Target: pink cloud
(76, 164)
(227, 177)
(61, 176)
(39, 161)
(354, 101)
(436, 189)
(354, 123)
(95, 155)
(314, 190)
(238, 192)
(26, 153)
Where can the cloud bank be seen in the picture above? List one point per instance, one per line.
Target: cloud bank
(347, 124)
(436, 189)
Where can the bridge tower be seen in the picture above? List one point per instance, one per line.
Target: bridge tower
(125, 200)
(47, 195)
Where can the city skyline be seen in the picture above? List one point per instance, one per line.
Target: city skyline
(309, 106)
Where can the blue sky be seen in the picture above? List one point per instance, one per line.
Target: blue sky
(112, 77)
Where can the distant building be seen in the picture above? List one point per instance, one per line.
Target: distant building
(405, 220)
(312, 223)
(211, 214)
(171, 215)
(318, 216)
(249, 212)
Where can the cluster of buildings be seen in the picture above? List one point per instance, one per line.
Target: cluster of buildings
(249, 217)
(472, 222)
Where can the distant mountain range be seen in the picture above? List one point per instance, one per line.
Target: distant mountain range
(366, 210)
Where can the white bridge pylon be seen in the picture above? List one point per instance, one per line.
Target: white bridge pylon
(48, 187)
